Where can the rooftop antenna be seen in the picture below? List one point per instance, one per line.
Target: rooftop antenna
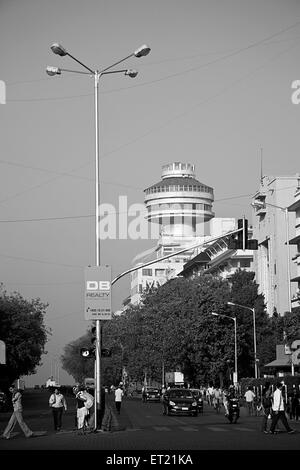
(261, 165)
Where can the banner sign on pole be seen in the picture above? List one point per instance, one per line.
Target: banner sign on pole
(98, 293)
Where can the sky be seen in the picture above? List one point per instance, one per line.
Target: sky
(215, 91)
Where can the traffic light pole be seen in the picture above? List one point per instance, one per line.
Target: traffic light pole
(97, 203)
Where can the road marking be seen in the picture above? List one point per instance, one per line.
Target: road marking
(244, 429)
(161, 428)
(215, 428)
(188, 428)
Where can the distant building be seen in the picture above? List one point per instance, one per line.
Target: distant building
(181, 206)
(295, 207)
(282, 365)
(217, 258)
(274, 266)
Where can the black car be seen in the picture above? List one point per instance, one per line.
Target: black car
(180, 401)
(152, 394)
(198, 395)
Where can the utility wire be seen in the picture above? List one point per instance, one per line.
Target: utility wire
(193, 69)
(43, 219)
(155, 129)
(150, 64)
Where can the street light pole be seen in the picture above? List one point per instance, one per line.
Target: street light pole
(60, 50)
(254, 333)
(235, 380)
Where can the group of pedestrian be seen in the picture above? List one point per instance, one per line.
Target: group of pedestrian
(274, 408)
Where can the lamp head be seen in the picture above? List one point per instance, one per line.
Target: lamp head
(53, 71)
(214, 313)
(131, 73)
(257, 204)
(58, 49)
(230, 303)
(142, 51)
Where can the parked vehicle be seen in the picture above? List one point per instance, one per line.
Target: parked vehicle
(199, 397)
(152, 394)
(180, 401)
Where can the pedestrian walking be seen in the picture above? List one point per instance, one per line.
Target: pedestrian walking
(57, 403)
(266, 403)
(144, 393)
(294, 406)
(278, 411)
(84, 401)
(210, 394)
(250, 396)
(118, 398)
(16, 416)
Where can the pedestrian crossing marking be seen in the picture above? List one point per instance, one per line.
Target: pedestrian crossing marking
(189, 428)
(161, 428)
(215, 428)
(244, 429)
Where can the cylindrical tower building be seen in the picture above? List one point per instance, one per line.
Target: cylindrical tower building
(179, 201)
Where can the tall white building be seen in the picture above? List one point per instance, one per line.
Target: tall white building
(272, 226)
(295, 207)
(181, 206)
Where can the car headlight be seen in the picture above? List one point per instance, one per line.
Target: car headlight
(171, 403)
(194, 403)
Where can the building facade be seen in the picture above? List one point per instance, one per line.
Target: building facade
(273, 226)
(295, 208)
(181, 206)
(217, 258)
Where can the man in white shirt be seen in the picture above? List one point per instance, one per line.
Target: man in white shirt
(249, 396)
(278, 412)
(57, 403)
(118, 398)
(210, 394)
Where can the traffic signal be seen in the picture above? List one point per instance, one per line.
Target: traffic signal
(87, 353)
(240, 241)
(105, 352)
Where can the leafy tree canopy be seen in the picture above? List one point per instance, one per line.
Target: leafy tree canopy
(23, 330)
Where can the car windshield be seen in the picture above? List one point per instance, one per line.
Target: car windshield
(196, 393)
(152, 390)
(180, 394)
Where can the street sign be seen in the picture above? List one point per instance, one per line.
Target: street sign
(98, 293)
(2, 352)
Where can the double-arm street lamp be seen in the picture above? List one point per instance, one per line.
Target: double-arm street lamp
(254, 333)
(260, 205)
(96, 74)
(235, 379)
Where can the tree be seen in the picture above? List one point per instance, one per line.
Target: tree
(74, 363)
(23, 330)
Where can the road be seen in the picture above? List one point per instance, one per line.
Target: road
(144, 427)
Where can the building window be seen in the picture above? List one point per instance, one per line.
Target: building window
(245, 263)
(159, 272)
(147, 272)
(140, 288)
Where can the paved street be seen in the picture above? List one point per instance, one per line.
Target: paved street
(144, 427)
